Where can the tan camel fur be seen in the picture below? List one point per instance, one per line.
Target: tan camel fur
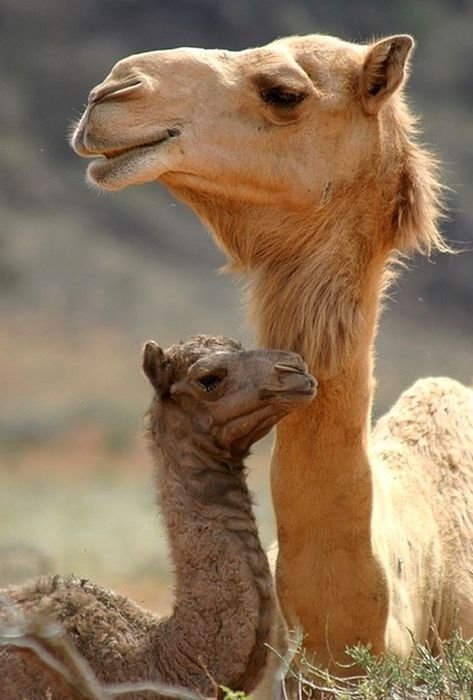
(212, 401)
(301, 156)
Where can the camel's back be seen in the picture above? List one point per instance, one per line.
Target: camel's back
(425, 444)
(433, 422)
(106, 629)
(424, 448)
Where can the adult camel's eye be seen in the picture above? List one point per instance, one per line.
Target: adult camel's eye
(210, 382)
(282, 97)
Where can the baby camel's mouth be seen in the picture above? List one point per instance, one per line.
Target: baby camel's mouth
(292, 383)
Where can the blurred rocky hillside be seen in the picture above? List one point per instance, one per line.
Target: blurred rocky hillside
(85, 278)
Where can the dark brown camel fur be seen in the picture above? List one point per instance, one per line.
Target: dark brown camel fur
(212, 401)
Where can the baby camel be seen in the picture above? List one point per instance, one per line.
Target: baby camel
(212, 401)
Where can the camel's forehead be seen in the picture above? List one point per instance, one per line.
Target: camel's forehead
(318, 51)
(167, 61)
(317, 43)
(311, 50)
(171, 57)
(185, 353)
(329, 62)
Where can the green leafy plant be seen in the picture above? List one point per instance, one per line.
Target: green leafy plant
(232, 695)
(422, 676)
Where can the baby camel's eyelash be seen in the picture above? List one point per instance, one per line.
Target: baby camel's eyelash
(209, 382)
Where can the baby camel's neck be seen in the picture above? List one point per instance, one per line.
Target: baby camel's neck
(224, 602)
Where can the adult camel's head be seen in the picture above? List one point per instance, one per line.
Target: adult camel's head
(301, 158)
(279, 122)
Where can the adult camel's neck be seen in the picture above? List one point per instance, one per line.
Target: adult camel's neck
(321, 466)
(316, 272)
(322, 451)
(326, 309)
(224, 607)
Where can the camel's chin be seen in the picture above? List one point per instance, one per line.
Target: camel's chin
(134, 167)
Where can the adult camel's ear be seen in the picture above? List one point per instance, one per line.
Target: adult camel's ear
(156, 367)
(383, 71)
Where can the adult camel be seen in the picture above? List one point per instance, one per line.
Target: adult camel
(301, 157)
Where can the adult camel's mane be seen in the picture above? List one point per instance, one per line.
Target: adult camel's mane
(304, 290)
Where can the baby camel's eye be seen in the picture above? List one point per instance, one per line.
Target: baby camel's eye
(280, 96)
(209, 382)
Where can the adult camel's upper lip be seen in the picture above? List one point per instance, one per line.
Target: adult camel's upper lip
(163, 136)
(108, 152)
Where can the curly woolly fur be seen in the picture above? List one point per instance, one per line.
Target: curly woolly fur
(313, 194)
(224, 611)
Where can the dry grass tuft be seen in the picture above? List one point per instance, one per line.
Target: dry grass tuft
(423, 676)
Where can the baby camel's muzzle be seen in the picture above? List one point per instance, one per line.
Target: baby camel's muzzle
(291, 376)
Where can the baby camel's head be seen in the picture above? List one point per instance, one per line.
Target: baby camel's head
(209, 390)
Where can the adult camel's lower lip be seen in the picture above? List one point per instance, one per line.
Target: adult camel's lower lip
(113, 168)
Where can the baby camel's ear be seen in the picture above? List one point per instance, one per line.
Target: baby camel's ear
(156, 367)
(383, 70)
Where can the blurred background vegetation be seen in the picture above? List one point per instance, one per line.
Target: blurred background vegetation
(85, 279)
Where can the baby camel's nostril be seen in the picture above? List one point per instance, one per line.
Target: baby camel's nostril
(286, 368)
(115, 90)
(291, 378)
(299, 368)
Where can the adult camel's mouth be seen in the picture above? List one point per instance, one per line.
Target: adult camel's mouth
(79, 137)
(111, 165)
(111, 153)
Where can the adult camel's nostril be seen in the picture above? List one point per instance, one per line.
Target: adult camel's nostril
(114, 90)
